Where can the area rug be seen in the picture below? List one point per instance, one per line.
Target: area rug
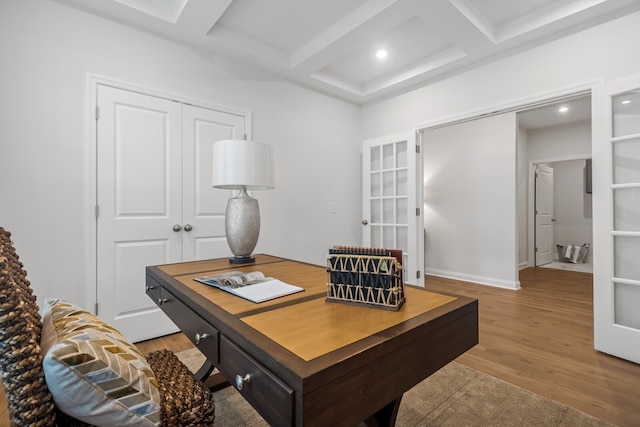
(456, 395)
(582, 268)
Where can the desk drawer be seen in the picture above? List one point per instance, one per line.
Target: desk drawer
(153, 290)
(272, 398)
(201, 333)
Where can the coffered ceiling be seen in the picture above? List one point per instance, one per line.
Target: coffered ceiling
(331, 45)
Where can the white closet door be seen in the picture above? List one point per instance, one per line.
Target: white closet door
(616, 217)
(204, 206)
(139, 186)
(544, 215)
(391, 201)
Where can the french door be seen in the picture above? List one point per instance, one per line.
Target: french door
(392, 201)
(616, 217)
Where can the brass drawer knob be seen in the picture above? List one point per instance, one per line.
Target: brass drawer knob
(241, 381)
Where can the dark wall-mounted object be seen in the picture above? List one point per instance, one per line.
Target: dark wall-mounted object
(587, 176)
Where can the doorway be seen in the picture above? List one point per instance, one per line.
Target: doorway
(571, 216)
(557, 135)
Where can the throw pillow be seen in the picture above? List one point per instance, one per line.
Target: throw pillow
(94, 374)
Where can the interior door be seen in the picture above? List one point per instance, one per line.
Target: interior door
(616, 217)
(139, 186)
(204, 206)
(392, 202)
(544, 215)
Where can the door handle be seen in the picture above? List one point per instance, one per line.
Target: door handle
(177, 228)
(365, 222)
(188, 228)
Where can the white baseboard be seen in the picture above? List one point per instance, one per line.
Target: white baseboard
(490, 281)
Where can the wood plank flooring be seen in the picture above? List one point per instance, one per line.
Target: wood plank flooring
(539, 338)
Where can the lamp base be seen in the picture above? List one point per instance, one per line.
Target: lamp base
(242, 227)
(242, 260)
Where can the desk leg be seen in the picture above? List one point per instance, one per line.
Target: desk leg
(205, 370)
(385, 416)
(214, 382)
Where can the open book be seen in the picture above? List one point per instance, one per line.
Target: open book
(253, 285)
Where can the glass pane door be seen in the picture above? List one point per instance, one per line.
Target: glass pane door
(616, 153)
(390, 199)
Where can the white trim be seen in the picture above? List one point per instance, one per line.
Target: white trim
(91, 287)
(516, 105)
(481, 280)
(624, 138)
(561, 159)
(626, 281)
(627, 185)
(531, 194)
(93, 81)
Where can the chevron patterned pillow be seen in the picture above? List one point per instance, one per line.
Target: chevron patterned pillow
(93, 372)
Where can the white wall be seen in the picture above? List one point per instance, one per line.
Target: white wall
(563, 142)
(547, 145)
(470, 187)
(47, 51)
(573, 63)
(572, 206)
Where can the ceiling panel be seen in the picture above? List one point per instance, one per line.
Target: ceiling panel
(500, 12)
(329, 45)
(299, 22)
(573, 110)
(407, 44)
(168, 10)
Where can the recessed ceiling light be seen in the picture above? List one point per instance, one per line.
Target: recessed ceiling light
(381, 53)
(563, 109)
(626, 101)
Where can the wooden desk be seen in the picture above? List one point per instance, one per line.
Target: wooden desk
(311, 362)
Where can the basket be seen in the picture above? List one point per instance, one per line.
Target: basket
(574, 254)
(365, 280)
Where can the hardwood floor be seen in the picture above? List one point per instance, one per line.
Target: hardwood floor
(539, 338)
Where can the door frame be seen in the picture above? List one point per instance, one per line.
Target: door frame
(531, 203)
(93, 81)
(517, 105)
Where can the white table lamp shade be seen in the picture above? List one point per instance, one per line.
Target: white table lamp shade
(239, 163)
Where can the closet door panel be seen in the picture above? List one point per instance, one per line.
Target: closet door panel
(139, 203)
(204, 206)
